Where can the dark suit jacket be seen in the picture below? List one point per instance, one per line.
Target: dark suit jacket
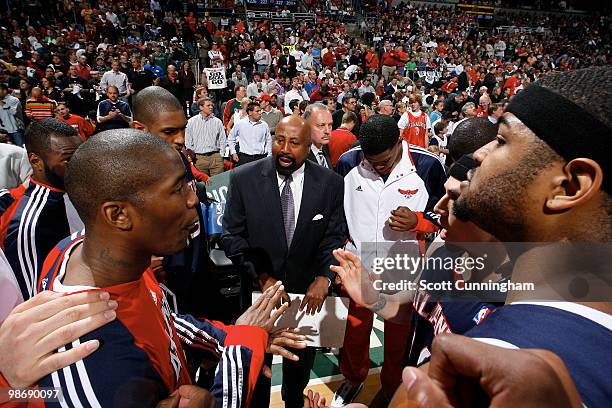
(287, 60)
(253, 228)
(325, 149)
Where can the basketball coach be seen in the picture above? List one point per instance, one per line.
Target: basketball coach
(283, 218)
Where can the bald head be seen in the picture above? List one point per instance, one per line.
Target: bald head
(148, 103)
(112, 162)
(291, 144)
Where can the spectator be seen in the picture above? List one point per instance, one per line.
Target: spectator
(205, 136)
(83, 126)
(342, 138)
(11, 116)
(113, 113)
(286, 64)
(239, 78)
(233, 105)
(83, 69)
(115, 78)
(254, 136)
(138, 77)
(366, 87)
(38, 106)
(269, 113)
(349, 104)
(255, 88)
(263, 59)
(14, 165)
(173, 83)
(296, 93)
(385, 107)
(415, 124)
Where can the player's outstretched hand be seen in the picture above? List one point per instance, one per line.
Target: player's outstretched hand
(354, 277)
(281, 338)
(31, 334)
(261, 314)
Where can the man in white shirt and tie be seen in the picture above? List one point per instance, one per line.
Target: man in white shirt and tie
(254, 135)
(320, 121)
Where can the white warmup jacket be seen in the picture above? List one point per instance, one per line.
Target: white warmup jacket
(368, 202)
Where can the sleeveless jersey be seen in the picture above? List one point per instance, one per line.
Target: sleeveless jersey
(416, 129)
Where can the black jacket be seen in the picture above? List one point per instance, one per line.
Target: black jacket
(253, 228)
(325, 149)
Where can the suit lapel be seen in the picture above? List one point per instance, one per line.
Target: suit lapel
(310, 192)
(270, 196)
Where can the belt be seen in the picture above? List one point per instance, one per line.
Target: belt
(207, 154)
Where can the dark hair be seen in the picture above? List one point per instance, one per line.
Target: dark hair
(347, 97)
(251, 106)
(38, 135)
(368, 98)
(147, 104)
(470, 135)
(112, 162)
(293, 104)
(378, 133)
(584, 86)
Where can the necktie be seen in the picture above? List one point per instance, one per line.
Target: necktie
(322, 160)
(288, 209)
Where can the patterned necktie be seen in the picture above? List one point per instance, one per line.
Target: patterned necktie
(322, 160)
(288, 209)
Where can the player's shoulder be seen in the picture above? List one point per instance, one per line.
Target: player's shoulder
(119, 373)
(425, 158)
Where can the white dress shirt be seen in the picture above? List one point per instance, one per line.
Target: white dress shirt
(255, 138)
(300, 95)
(297, 187)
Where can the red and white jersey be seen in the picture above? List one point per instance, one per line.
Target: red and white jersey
(413, 127)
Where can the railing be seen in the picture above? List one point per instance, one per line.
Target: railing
(280, 18)
(522, 30)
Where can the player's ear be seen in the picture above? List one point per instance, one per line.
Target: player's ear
(580, 180)
(117, 214)
(137, 125)
(36, 162)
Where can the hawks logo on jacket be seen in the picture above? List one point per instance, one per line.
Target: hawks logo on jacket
(32, 221)
(141, 360)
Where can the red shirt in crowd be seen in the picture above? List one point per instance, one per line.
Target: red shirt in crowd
(340, 141)
(84, 127)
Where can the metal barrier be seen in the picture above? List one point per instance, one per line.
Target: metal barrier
(280, 18)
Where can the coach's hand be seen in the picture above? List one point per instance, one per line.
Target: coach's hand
(402, 219)
(460, 368)
(265, 282)
(260, 313)
(31, 334)
(315, 295)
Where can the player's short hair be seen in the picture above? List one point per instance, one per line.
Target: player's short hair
(147, 104)
(38, 135)
(378, 133)
(110, 167)
(470, 135)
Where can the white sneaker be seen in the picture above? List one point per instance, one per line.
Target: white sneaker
(345, 394)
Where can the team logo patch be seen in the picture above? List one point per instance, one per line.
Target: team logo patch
(481, 315)
(407, 193)
(359, 189)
